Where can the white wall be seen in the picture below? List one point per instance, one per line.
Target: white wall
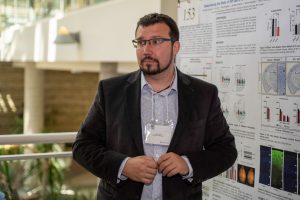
(106, 31)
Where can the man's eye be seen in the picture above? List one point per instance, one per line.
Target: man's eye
(156, 41)
(141, 42)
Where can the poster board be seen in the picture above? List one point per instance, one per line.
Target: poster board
(250, 49)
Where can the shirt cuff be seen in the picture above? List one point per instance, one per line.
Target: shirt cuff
(121, 177)
(189, 176)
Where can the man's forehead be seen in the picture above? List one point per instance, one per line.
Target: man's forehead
(157, 28)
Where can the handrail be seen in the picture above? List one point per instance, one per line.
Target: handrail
(29, 156)
(38, 138)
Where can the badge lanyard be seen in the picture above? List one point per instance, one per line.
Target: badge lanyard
(159, 132)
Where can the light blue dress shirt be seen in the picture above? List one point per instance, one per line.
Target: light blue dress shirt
(160, 109)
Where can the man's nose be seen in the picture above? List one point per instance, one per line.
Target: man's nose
(147, 48)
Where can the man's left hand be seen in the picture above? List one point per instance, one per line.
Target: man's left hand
(170, 164)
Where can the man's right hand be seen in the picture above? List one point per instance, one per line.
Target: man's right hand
(141, 169)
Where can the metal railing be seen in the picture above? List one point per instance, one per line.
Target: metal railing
(40, 138)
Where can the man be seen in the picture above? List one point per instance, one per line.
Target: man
(155, 133)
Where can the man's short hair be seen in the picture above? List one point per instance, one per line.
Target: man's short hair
(154, 18)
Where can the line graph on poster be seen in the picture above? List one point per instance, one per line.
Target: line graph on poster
(198, 67)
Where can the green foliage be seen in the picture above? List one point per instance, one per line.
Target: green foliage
(19, 124)
(43, 178)
(10, 173)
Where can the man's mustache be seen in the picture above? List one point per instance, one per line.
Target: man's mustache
(148, 58)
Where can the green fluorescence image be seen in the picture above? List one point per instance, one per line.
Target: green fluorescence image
(277, 165)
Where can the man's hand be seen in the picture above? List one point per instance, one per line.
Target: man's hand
(141, 169)
(170, 164)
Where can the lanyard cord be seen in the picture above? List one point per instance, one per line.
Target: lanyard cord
(167, 99)
(152, 106)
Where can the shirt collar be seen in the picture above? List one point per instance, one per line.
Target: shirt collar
(145, 83)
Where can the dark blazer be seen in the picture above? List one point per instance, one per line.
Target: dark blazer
(112, 131)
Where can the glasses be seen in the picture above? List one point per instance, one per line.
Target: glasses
(155, 42)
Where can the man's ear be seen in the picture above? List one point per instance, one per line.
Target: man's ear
(176, 47)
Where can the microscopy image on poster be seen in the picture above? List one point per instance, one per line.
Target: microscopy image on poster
(298, 174)
(246, 175)
(273, 78)
(277, 167)
(293, 79)
(290, 172)
(265, 165)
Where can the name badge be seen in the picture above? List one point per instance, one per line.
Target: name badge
(159, 135)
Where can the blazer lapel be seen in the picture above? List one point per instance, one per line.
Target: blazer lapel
(133, 110)
(185, 99)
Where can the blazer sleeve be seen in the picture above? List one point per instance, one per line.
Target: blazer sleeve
(89, 148)
(219, 152)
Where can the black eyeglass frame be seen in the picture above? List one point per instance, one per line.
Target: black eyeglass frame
(162, 40)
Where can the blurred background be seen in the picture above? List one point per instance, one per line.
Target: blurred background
(52, 56)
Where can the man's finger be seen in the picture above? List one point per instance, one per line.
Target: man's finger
(152, 164)
(163, 158)
(168, 169)
(163, 165)
(152, 171)
(172, 172)
(148, 176)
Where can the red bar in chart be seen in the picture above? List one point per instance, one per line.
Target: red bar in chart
(278, 31)
(231, 173)
(280, 115)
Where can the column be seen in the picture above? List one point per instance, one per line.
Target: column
(33, 99)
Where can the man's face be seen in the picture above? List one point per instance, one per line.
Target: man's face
(154, 59)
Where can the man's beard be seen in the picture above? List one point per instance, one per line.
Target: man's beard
(147, 68)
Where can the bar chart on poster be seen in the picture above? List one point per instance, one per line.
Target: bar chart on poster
(250, 49)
